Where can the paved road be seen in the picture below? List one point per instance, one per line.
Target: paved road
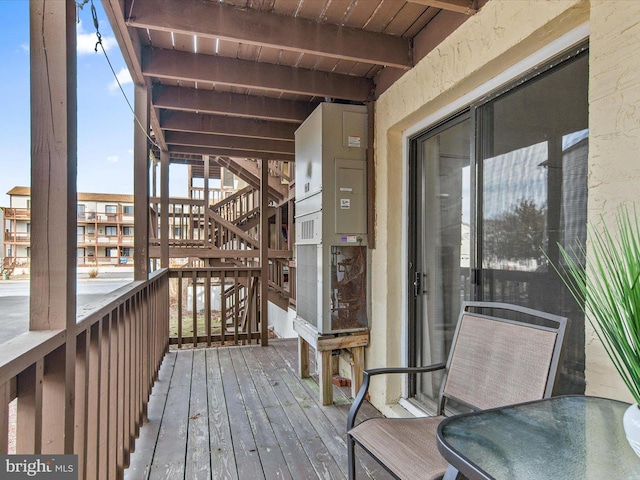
(14, 299)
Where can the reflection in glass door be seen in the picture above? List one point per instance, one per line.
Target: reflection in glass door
(440, 273)
(533, 165)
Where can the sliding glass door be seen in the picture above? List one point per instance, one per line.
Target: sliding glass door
(493, 192)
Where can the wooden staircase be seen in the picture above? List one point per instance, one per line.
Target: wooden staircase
(227, 233)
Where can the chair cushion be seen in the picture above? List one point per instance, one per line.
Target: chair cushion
(407, 446)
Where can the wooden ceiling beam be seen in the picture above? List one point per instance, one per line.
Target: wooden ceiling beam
(224, 125)
(254, 27)
(468, 7)
(235, 104)
(228, 142)
(225, 152)
(175, 65)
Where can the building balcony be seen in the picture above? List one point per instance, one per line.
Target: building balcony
(222, 411)
(17, 214)
(101, 217)
(17, 237)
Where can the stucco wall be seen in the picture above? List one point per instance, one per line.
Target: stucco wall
(503, 33)
(614, 145)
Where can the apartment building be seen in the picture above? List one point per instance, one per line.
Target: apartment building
(105, 229)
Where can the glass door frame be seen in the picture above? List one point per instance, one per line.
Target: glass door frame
(412, 209)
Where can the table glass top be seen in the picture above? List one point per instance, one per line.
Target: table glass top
(562, 438)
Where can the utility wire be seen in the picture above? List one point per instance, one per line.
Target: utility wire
(94, 14)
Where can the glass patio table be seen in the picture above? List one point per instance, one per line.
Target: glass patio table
(567, 437)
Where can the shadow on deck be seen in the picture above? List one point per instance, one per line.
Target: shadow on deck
(243, 413)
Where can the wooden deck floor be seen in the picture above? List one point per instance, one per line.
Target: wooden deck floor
(242, 413)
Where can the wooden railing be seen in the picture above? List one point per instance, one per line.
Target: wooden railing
(210, 305)
(238, 206)
(279, 275)
(119, 346)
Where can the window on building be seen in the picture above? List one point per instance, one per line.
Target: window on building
(127, 209)
(111, 209)
(111, 230)
(111, 252)
(28, 252)
(127, 231)
(28, 228)
(126, 252)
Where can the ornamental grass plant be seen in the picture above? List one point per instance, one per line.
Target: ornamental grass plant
(608, 290)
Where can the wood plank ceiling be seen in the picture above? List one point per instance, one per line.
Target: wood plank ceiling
(235, 78)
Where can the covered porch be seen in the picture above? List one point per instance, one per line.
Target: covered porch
(216, 89)
(210, 96)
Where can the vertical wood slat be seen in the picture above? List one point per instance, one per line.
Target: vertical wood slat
(179, 309)
(236, 300)
(163, 338)
(145, 348)
(223, 306)
(54, 401)
(194, 306)
(29, 426)
(133, 360)
(4, 418)
(82, 394)
(207, 306)
(127, 440)
(103, 427)
(93, 401)
(135, 363)
(113, 396)
(122, 440)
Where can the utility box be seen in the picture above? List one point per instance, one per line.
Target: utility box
(331, 218)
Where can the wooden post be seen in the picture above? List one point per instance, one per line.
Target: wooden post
(141, 184)
(164, 209)
(264, 252)
(205, 196)
(54, 205)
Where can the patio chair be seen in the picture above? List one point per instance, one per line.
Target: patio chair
(501, 354)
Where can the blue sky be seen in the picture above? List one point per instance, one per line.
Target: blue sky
(105, 123)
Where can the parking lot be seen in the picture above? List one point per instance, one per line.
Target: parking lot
(14, 299)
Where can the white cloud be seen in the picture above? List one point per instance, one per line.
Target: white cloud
(113, 159)
(87, 41)
(123, 76)
(26, 47)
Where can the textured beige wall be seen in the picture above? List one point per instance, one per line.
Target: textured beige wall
(614, 143)
(501, 34)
